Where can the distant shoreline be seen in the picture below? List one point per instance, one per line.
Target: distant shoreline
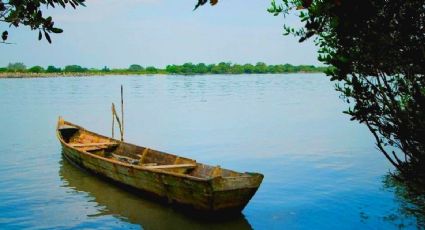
(55, 75)
(20, 70)
(18, 75)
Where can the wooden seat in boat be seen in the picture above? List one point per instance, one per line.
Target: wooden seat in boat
(188, 166)
(93, 146)
(79, 145)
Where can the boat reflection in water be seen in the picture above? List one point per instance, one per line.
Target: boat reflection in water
(132, 208)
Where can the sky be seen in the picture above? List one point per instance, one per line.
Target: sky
(118, 33)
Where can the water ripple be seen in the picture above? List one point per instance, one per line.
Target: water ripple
(321, 170)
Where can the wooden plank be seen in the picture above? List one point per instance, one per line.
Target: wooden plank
(142, 158)
(62, 127)
(171, 166)
(216, 171)
(125, 159)
(91, 144)
(93, 148)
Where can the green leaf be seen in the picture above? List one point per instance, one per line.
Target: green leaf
(4, 35)
(81, 2)
(47, 37)
(56, 30)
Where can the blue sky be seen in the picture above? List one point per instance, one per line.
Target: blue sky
(117, 33)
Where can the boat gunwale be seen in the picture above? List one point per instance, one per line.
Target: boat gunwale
(210, 179)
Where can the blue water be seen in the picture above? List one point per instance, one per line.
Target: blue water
(321, 170)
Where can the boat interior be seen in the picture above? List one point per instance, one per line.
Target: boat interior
(111, 149)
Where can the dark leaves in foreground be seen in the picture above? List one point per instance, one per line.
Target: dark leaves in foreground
(375, 50)
(47, 37)
(29, 13)
(203, 2)
(4, 35)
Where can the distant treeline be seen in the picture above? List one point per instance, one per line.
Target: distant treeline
(185, 69)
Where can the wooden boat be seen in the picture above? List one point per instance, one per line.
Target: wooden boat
(148, 214)
(178, 180)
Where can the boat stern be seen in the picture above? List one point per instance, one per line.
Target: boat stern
(232, 194)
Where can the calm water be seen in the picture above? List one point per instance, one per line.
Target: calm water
(321, 170)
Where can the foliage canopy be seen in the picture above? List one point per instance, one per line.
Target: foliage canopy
(376, 51)
(29, 13)
(16, 67)
(135, 68)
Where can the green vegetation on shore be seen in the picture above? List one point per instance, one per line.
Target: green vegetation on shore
(19, 69)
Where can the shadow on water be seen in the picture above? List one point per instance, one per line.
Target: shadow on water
(130, 207)
(411, 200)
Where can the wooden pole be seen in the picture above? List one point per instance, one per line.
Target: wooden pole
(115, 115)
(122, 114)
(113, 120)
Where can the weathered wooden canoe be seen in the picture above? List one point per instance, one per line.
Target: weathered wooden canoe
(147, 214)
(177, 179)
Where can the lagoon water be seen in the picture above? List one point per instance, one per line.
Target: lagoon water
(322, 171)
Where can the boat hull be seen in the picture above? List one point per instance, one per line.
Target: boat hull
(216, 195)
